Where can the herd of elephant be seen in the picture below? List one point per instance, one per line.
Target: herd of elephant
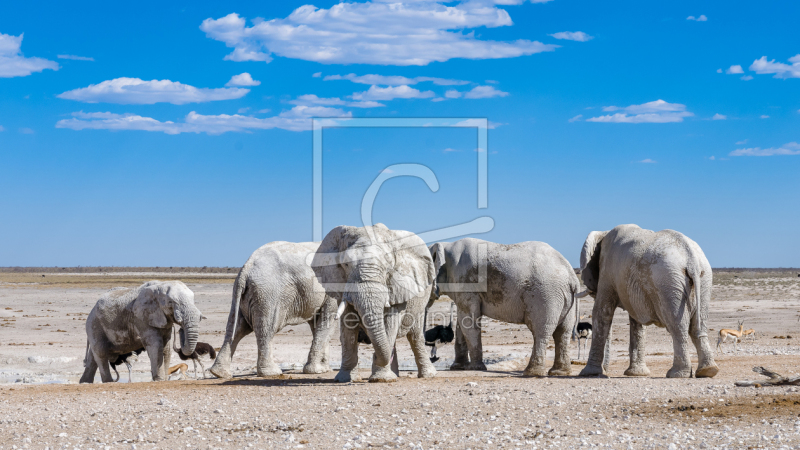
(381, 282)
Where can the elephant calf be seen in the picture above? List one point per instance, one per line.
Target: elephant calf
(275, 288)
(660, 278)
(528, 283)
(125, 320)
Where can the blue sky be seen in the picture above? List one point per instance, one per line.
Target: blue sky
(179, 135)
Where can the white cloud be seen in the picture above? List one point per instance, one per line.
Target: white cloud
(393, 80)
(243, 79)
(734, 69)
(657, 111)
(764, 116)
(296, 119)
(742, 142)
(13, 64)
(317, 75)
(452, 93)
(702, 18)
(576, 118)
(391, 93)
(75, 57)
(792, 148)
(747, 77)
(450, 150)
(2, 129)
(719, 70)
(311, 99)
(719, 116)
(382, 33)
(484, 92)
(781, 70)
(648, 161)
(26, 130)
(133, 91)
(579, 36)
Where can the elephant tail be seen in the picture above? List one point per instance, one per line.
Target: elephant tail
(238, 292)
(86, 361)
(576, 303)
(697, 320)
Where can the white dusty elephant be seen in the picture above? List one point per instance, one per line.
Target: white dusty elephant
(275, 288)
(528, 283)
(382, 279)
(660, 278)
(127, 319)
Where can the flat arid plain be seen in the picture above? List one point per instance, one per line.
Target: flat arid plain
(43, 340)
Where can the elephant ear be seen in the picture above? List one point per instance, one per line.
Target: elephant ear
(326, 263)
(413, 271)
(148, 306)
(590, 260)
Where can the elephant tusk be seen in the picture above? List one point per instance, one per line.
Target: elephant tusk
(340, 311)
(582, 294)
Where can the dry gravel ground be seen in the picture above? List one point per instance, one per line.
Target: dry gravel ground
(42, 344)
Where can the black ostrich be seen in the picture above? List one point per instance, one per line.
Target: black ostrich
(200, 349)
(584, 332)
(439, 334)
(127, 359)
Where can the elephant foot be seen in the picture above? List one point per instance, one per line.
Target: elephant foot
(592, 371)
(679, 372)
(316, 368)
(383, 375)
(459, 365)
(269, 371)
(707, 371)
(640, 370)
(559, 371)
(426, 372)
(220, 372)
(476, 365)
(535, 371)
(347, 376)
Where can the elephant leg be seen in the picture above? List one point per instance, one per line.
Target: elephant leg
(599, 352)
(90, 370)
(562, 365)
(425, 368)
(348, 336)
(706, 367)
(462, 356)
(166, 353)
(321, 329)
(105, 369)
(222, 364)
(675, 309)
(636, 350)
(394, 366)
(265, 367)
(471, 327)
(536, 366)
(156, 355)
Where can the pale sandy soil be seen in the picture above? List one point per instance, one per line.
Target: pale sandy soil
(42, 340)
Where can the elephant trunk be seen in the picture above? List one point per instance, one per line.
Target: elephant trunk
(189, 330)
(369, 300)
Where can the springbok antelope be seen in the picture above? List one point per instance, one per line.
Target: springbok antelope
(736, 335)
(180, 368)
(749, 332)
